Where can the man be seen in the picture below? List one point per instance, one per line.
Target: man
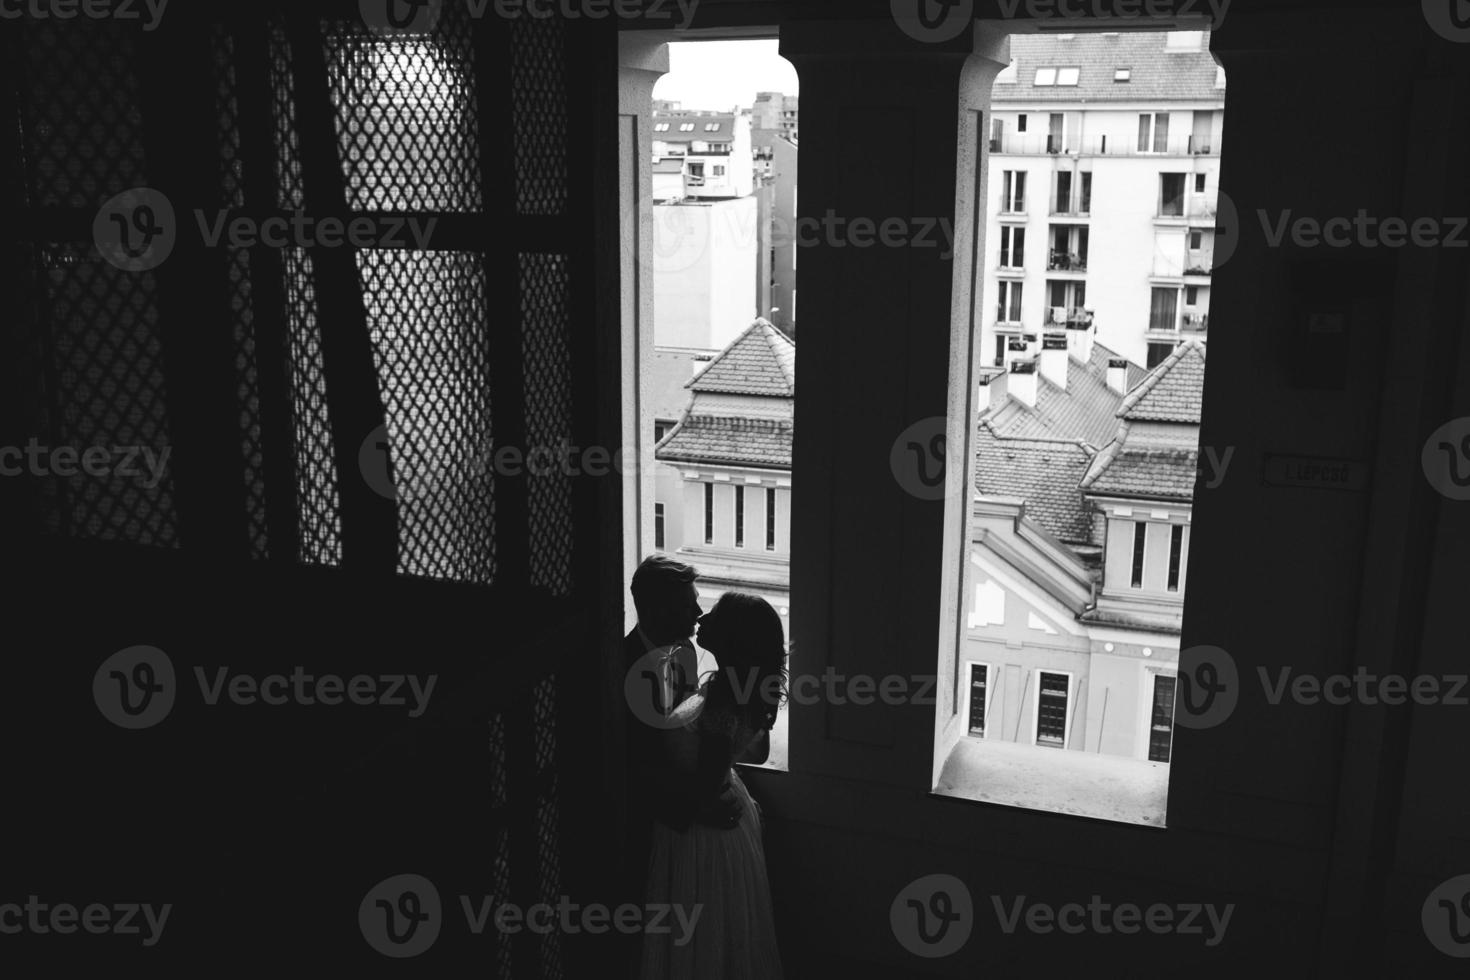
(668, 609)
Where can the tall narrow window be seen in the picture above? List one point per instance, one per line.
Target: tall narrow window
(1176, 550)
(740, 517)
(1009, 309)
(1161, 721)
(658, 526)
(1163, 308)
(1171, 195)
(979, 684)
(1153, 132)
(1013, 191)
(709, 513)
(1140, 538)
(1051, 710)
(1012, 247)
(1085, 205)
(770, 518)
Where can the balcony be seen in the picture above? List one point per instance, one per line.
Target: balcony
(1074, 206)
(1195, 323)
(1042, 144)
(1070, 317)
(1065, 262)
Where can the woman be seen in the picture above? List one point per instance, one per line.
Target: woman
(721, 873)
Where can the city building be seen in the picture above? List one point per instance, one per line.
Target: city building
(729, 512)
(1104, 157)
(776, 167)
(778, 112)
(714, 148)
(1084, 474)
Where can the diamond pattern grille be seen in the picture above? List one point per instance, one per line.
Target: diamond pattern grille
(546, 351)
(539, 114)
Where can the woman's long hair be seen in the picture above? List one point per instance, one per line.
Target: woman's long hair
(752, 672)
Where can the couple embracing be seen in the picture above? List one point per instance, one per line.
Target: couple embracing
(694, 830)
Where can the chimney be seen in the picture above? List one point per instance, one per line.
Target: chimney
(1022, 382)
(1079, 342)
(984, 395)
(1015, 351)
(1118, 375)
(1054, 359)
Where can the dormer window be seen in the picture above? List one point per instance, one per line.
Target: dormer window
(686, 127)
(661, 127)
(1123, 74)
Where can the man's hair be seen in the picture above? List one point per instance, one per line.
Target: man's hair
(660, 575)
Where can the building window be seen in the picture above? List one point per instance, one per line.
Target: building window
(1171, 195)
(1158, 353)
(1123, 75)
(740, 517)
(1196, 240)
(711, 127)
(1161, 721)
(1153, 132)
(1199, 183)
(1051, 709)
(1176, 551)
(686, 127)
(1163, 308)
(1000, 350)
(661, 128)
(1012, 247)
(1045, 76)
(658, 526)
(770, 518)
(1191, 295)
(1068, 76)
(1009, 308)
(979, 698)
(1013, 191)
(709, 513)
(1021, 123)
(662, 429)
(1140, 539)
(719, 170)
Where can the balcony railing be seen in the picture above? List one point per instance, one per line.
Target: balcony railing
(1065, 262)
(1039, 144)
(1195, 323)
(1071, 317)
(1077, 205)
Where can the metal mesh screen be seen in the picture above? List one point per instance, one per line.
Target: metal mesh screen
(548, 831)
(406, 118)
(539, 114)
(546, 352)
(316, 467)
(426, 314)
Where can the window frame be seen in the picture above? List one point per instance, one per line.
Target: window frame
(1066, 712)
(970, 666)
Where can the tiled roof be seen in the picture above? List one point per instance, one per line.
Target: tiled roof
(675, 119)
(1043, 473)
(764, 443)
(761, 361)
(1136, 472)
(1172, 393)
(1156, 74)
(1085, 411)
